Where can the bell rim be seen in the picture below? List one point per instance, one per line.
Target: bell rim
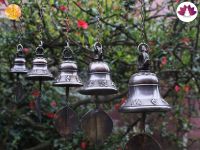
(99, 91)
(99, 73)
(41, 77)
(147, 108)
(67, 84)
(20, 72)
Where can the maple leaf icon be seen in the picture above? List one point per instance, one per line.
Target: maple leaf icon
(182, 10)
(191, 10)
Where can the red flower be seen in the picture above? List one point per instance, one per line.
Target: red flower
(31, 105)
(79, 4)
(82, 24)
(186, 88)
(117, 106)
(164, 60)
(50, 115)
(53, 104)
(177, 88)
(177, 1)
(63, 8)
(26, 51)
(35, 93)
(185, 40)
(83, 145)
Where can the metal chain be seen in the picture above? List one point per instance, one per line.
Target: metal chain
(41, 24)
(20, 31)
(67, 21)
(98, 21)
(41, 13)
(143, 16)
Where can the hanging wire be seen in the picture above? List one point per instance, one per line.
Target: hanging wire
(67, 22)
(143, 16)
(41, 15)
(99, 21)
(20, 31)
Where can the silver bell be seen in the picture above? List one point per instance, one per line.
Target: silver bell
(19, 62)
(68, 75)
(40, 69)
(100, 82)
(144, 95)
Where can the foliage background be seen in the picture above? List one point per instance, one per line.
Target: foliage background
(175, 58)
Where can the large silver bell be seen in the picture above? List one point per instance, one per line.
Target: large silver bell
(100, 82)
(40, 69)
(144, 95)
(19, 62)
(68, 75)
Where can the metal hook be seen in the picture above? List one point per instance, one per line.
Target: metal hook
(98, 49)
(143, 47)
(20, 47)
(67, 52)
(20, 51)
(40, 50)
(143, 58)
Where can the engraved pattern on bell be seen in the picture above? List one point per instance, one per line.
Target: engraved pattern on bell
(137, 102)
(68, 78)
(154, 101)
(113, 84)
(103, 83)
(90, 83)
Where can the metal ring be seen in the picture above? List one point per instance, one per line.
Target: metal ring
(20, 47)
(98, 49)
(143, 45)
(39, 51)
(67, 52)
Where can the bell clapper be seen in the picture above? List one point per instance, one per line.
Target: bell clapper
(38, 105)
(17, 90)
(143, 122)
(67, 94)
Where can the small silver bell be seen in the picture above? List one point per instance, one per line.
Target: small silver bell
(19, 62)
(68, 75)
(40, 69)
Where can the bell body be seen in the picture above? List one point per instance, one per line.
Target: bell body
(19, 66)
(40, 70)
(100, 82)
(68, 75)
(144, 95)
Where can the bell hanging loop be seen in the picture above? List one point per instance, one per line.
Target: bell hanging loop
(98, 50)
(20, 47)
(40, 50)
(143, 58)
(67, 53)
(20, 51)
